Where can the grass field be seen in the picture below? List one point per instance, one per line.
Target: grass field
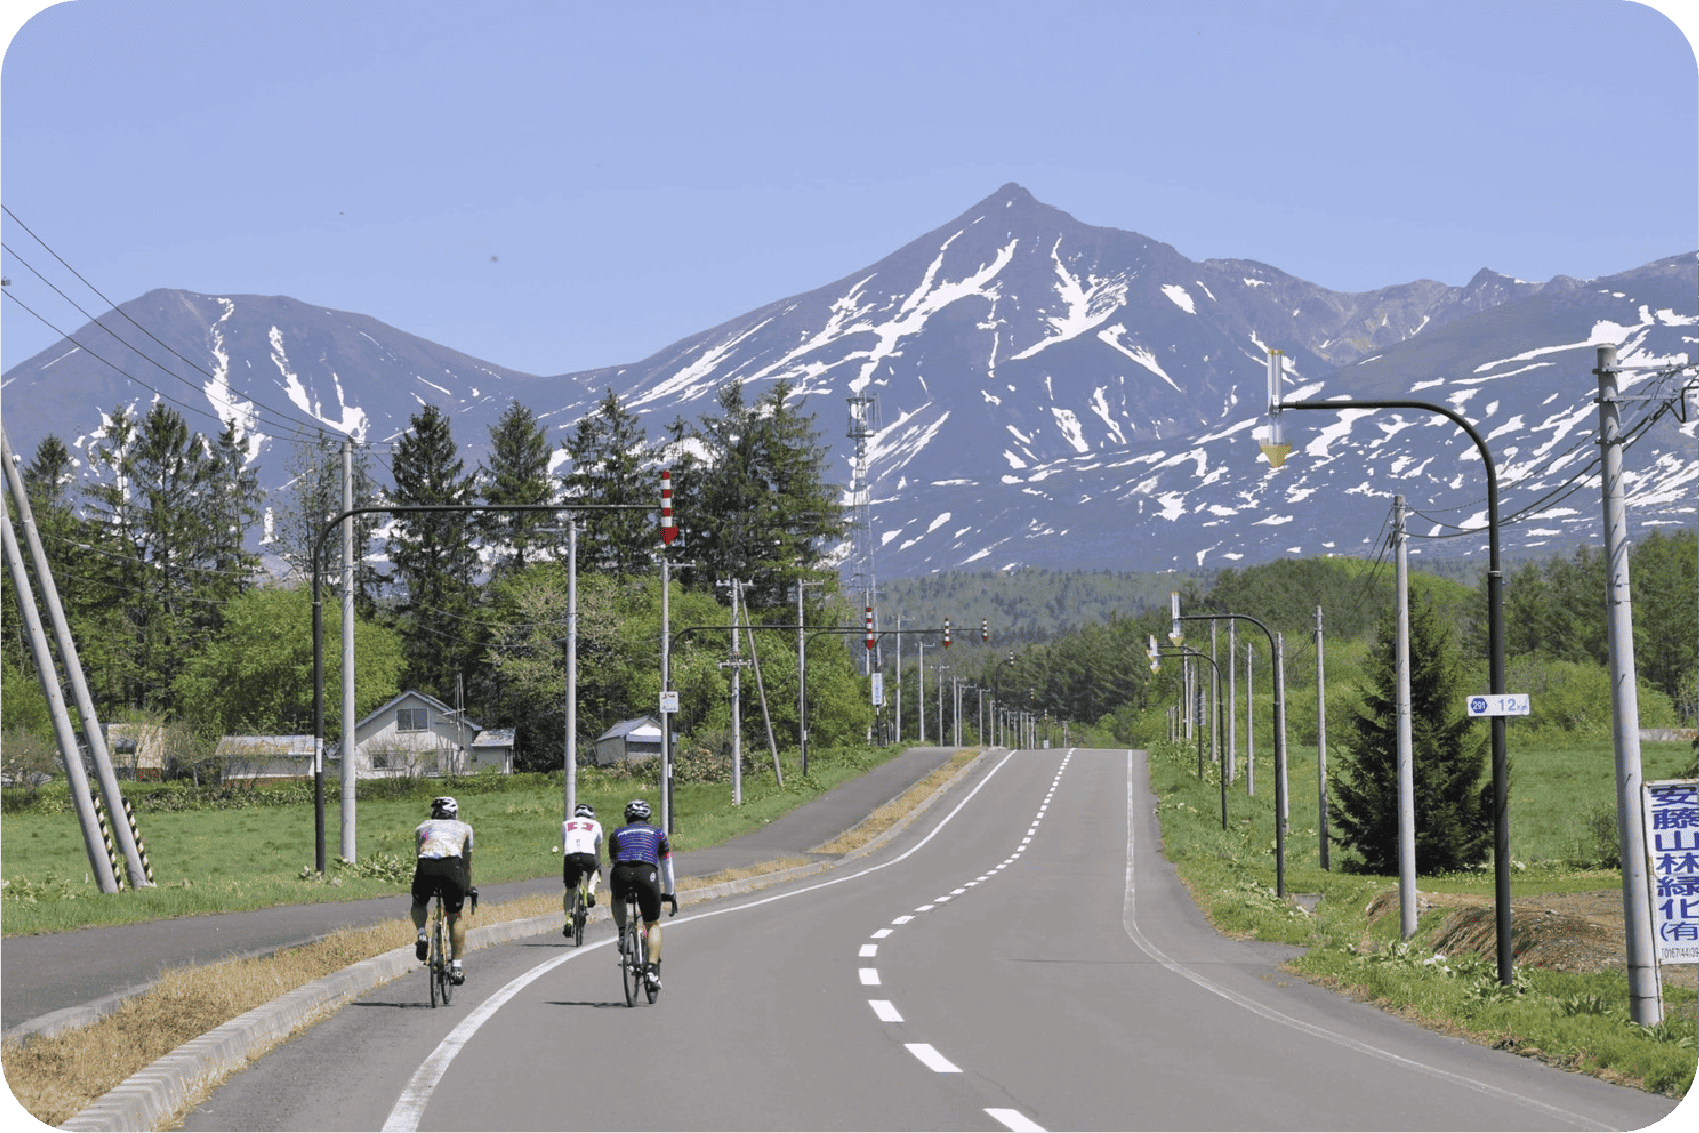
(1576, 1021)
(227, 860)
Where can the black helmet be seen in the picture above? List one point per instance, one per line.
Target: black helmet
(637, 810)
(584, 810)
(445, 806)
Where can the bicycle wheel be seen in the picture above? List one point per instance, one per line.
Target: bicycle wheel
(631, 976)
(444, 984)
(434, 960)
(648, 986)
(578, 918)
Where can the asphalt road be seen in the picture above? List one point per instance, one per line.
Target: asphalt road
(1022, 958)
(82, 972)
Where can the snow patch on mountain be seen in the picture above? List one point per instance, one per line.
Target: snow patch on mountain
(1180, 297)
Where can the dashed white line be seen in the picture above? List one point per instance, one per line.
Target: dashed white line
(869, 950)
(869, 976)
(904, 919)
(930, 1057)
(886, 1012)
(882, 934)
(1016, 1120)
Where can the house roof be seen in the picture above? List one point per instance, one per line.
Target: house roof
(265, 746)
(494, 737)
(413, 693)
(646, 726)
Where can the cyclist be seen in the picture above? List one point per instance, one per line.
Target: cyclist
(444, 866)
(581, 842)
(638, 851)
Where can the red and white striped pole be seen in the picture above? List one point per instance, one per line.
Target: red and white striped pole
(669, 531)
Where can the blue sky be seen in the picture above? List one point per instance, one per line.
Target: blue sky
(559, 186)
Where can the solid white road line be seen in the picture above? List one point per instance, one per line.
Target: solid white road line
(932, 1059)
(1130, 923)
(410, 1106)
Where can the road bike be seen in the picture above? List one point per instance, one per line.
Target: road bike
(580, 914)
(436, 966)
(634, 954)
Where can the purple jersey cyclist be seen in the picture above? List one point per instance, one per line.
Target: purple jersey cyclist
(641, 860)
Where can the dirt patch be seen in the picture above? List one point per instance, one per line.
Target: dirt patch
(1566, 932)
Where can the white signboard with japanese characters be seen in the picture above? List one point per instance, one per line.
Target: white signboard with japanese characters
(1672, 840)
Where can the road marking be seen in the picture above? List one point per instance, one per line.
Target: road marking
(904, 919)
(882, 934)
(923, 908)
(869, 950)
(932, 1059)
(886, 1012)
(1129, 923)
(1016, 1120)
(410, 1106)
(869, 976)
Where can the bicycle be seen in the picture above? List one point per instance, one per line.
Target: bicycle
(436, 966)
(580, 914)
(634, 953)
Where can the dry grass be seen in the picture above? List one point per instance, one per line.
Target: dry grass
(56, 1078)
(888, 815)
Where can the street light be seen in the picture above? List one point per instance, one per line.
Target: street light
(1495, 640)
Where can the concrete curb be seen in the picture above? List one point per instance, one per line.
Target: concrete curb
(154, 1094)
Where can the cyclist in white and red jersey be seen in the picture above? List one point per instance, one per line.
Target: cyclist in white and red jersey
(581, 843)
(641, 860)
(444, 866)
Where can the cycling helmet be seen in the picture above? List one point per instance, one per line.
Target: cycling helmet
(445, 806)
(637, 810)
(584, 810)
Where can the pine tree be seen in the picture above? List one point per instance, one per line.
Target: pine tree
(1453, 812)
(761, 509)
(607, 450)
(518, 473)
(434, 556)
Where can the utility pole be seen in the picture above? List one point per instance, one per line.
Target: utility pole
(1232, 700)
(106, 776)
(1645, 989)
(569, 775)
(735, 664)
(1321, 743)
(75, 777)
(1406, 742)
(350, 765)
(802, 677)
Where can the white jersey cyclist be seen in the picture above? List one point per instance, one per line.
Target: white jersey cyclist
(581, 847)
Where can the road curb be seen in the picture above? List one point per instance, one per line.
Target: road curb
(155, 1093)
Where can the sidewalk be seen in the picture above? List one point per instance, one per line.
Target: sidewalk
(69, 978)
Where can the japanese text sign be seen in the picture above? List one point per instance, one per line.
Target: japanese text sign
(1672, 840)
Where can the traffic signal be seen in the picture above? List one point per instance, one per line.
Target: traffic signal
(946, 633)
(984, 630)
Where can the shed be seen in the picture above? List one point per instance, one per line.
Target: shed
(137, 750)
(266, 757)
(628, 740)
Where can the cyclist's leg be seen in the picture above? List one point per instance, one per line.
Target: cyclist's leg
(649, 903)
(422, 890)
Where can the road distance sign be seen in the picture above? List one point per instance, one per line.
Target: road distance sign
(1499, 704)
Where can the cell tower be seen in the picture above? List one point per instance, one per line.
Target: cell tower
(863, 419)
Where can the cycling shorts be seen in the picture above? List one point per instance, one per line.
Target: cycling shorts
(575, 867)
(440, 875)
(643, 878)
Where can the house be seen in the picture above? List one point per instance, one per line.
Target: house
(418, 735)
(629, 740)
(265, 757)
(137, 750)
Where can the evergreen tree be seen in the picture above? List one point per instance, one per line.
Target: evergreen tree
(766, 513)
(518, 473)
(233, 507)
(1453, 811)
(434, 556)
(607, 450)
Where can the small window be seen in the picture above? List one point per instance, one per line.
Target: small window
(380, 762)
(412, 719)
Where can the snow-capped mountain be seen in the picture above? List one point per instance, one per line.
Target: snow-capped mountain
(1045, 393)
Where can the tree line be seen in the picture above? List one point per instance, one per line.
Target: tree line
(158, 562)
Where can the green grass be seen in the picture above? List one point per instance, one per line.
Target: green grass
(227, 860)
(1576, 1021)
